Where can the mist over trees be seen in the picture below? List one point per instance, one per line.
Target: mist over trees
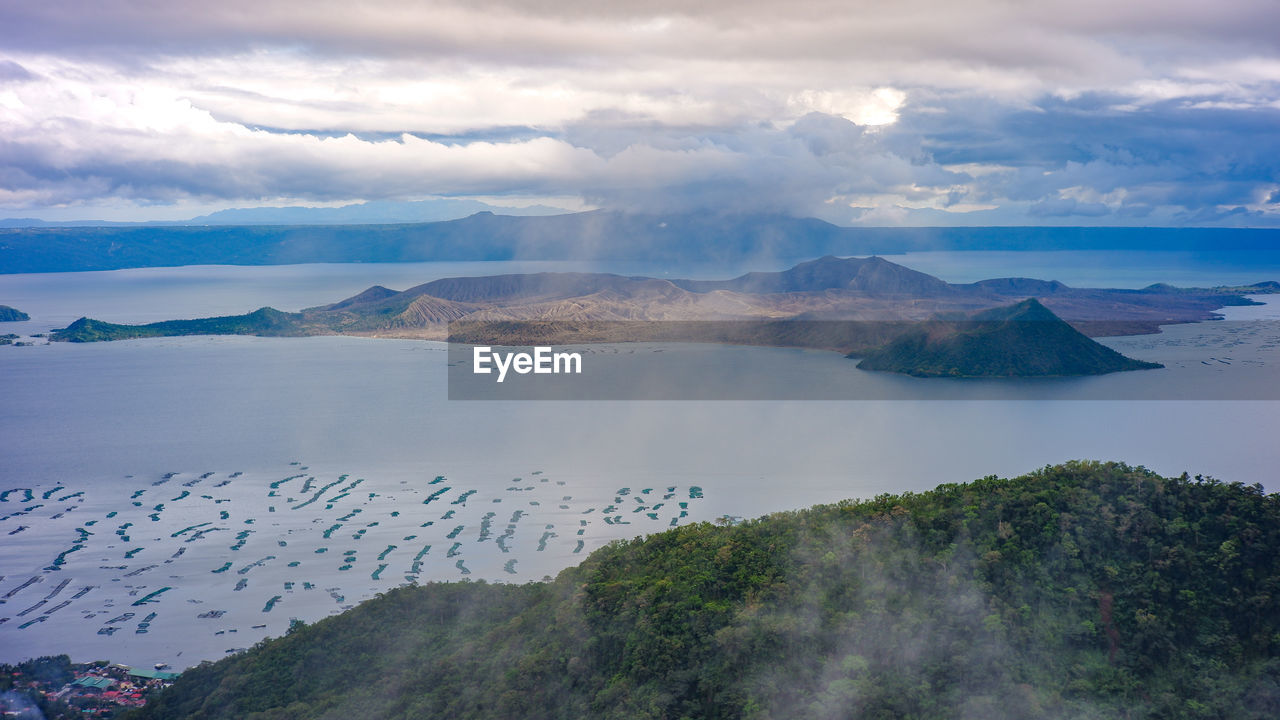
(1083, 590)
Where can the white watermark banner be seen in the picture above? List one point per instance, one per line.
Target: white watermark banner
(839, 360)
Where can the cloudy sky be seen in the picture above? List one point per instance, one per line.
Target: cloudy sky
(1089, 112)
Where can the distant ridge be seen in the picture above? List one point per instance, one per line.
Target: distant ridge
(871, 275)
(366, 213)
(1019, 286)
(596, 235)
(1021, 340)
(529, 287)
(374, 212)
(372, 295)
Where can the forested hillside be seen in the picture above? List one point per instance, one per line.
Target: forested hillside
(1083, 590)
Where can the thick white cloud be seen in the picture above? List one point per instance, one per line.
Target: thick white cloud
(1050, 108)
(101, 135)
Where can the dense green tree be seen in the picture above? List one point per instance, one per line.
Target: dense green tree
(1085, 590)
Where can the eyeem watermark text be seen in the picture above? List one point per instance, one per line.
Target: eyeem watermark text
(542, 361)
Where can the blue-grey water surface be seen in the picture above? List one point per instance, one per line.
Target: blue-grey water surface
(84, 418)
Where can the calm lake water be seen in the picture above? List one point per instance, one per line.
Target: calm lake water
(89, 432)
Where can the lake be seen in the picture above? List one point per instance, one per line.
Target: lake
(164, 460)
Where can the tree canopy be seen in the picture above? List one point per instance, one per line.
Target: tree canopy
(1085, 590)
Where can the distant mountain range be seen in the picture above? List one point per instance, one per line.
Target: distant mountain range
(899, 319)
(367, 213)
(597, 235)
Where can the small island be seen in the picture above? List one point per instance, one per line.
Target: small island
(1021, 340)
(263, 321)
(9, 314)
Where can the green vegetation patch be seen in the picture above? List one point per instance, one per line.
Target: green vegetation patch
(264, 321)
(9, 314)
(1085, 590)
